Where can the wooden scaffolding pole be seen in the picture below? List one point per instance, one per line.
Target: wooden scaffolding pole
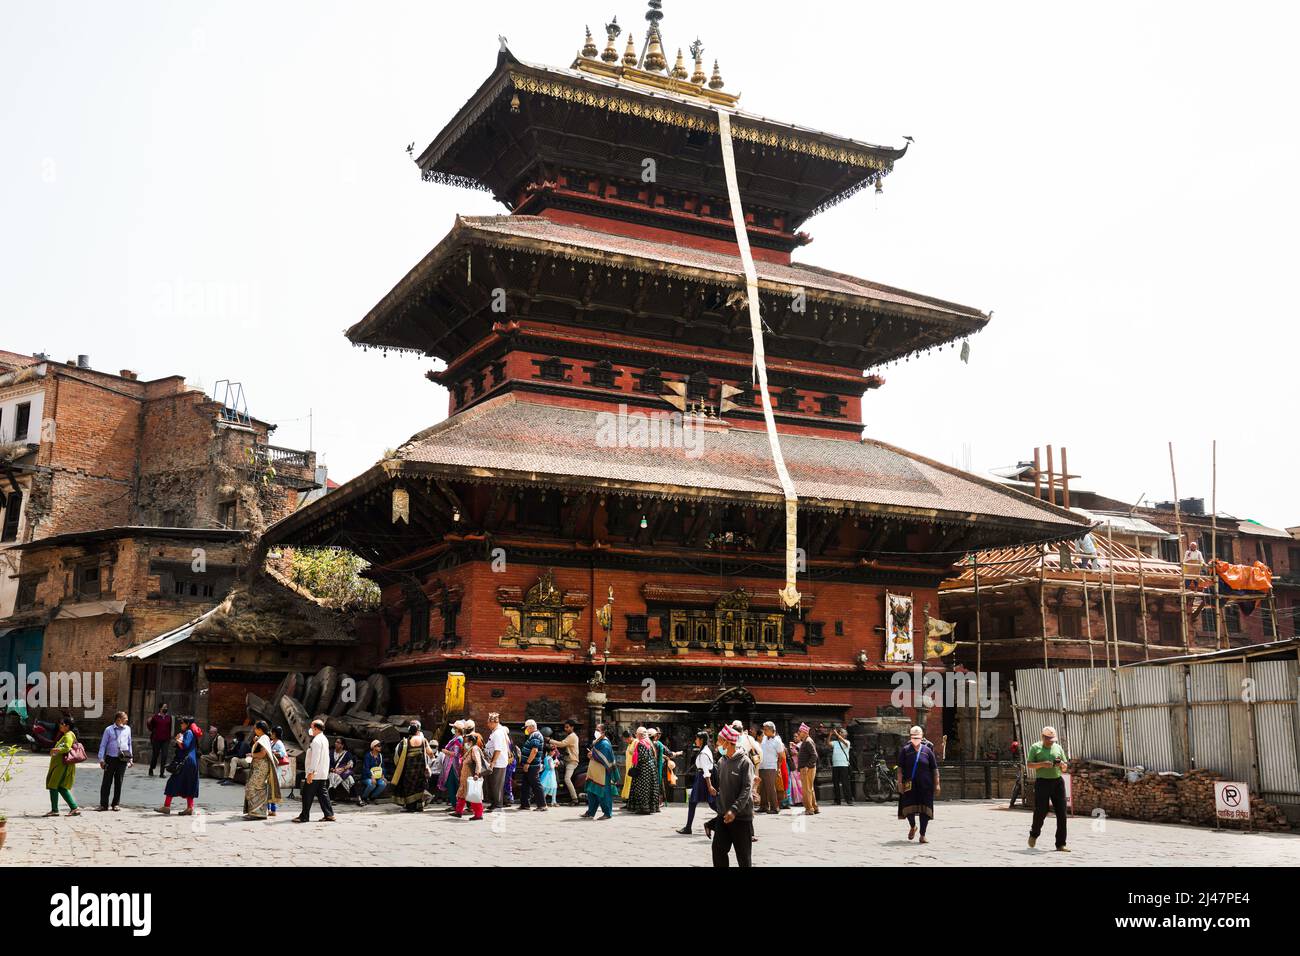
(1182, 577)
(1087, 622)
(1142, 601)
(979, 655)
(1214, 543)
(1042, 600)
(1110, 560)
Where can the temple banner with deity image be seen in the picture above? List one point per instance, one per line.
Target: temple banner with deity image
(898, 628)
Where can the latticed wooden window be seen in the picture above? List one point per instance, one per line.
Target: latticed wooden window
(602, 375)
(698, 386)
(652, 380)
(788, 400)
(552, 370)
(831, 405)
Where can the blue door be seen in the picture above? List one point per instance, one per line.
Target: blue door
(22, 645)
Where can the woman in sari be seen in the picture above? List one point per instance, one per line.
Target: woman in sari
(645, 774)
(61, 775)
(918, 782)
(262, 789)
(184, 781)
(628, 755)
(794, 788)
(449, 783)
(341, 776)
(281, 754)
(411, 775)
(783, 769)
(471, 770)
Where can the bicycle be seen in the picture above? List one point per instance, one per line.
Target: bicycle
(879, 784)
(1018, 791)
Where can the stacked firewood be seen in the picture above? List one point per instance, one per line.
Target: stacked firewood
(1160, 798)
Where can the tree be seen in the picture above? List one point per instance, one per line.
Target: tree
(333, 574)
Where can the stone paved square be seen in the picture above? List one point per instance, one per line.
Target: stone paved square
(972, 833)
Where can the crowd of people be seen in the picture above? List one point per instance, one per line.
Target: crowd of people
(737, 771)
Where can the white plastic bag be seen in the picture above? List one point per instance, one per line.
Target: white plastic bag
(474, 790)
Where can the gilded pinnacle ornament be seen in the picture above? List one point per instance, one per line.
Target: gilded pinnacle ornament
(679, 68)
(715, 83)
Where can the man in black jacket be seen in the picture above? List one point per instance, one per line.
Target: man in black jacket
(735, 828)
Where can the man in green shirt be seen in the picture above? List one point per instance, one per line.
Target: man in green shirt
(1047, 760)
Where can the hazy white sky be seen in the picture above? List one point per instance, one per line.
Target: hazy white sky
(219, 189)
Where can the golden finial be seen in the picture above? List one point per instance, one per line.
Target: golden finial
(697, 53)
(716, 82)
(612, 30)
(589, 47)
(679, 68)
(629, 55)
(655, 61)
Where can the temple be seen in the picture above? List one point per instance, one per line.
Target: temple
(598, 529)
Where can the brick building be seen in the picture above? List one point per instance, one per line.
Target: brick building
(1129, 602)
(598, 530)
(129, 507)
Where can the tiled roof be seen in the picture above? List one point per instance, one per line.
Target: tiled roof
(509, 437)
(592, 243)
(1024, 562)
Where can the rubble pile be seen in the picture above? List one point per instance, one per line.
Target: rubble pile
(1160, 798)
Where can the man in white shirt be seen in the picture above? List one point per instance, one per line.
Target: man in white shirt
(702, 787)
(497, 751)
(318, 774)
(769, 771)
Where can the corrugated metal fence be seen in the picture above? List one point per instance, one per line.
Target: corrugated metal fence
(1238, 718)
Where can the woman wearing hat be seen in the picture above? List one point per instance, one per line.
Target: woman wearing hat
(374, 774)
(451, 754)
(918, 782)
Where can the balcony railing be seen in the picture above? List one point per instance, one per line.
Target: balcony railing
(281, 457)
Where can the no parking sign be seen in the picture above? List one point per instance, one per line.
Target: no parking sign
(1231, 800)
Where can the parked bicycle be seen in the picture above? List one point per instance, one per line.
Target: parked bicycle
(1018, 791)
(879, 783)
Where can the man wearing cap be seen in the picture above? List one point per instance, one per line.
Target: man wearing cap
(498, 754)
(808, 758)
(568, 747)
(735, 828)
(533, 751)
(1047, 760)
(769, 770)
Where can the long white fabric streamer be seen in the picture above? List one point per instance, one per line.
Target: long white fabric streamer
(790, 594)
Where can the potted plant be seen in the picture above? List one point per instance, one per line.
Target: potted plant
(8, 757)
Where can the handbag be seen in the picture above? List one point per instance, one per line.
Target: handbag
(76, 753)
(474, 790)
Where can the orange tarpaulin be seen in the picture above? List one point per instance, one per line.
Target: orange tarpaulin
(1239, 577)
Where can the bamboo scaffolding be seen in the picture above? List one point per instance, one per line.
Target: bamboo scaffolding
(1042, 603)
(1087, 621)
(1182, 578)
(1142, 599)
(1219, 635)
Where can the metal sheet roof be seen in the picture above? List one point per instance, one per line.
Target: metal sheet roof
(162, 642)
